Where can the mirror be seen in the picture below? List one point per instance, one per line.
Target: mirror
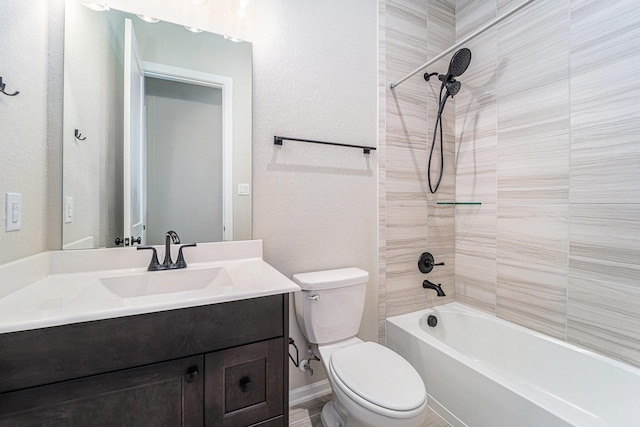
(167, 148)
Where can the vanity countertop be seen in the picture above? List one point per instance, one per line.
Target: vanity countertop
(63, 287)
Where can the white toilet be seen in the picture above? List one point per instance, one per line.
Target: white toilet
(371, 384)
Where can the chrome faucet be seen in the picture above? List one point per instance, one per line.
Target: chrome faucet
(167, 264)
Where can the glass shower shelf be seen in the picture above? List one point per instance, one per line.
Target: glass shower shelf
(458, 203)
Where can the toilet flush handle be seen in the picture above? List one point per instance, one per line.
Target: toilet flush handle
(314, 297)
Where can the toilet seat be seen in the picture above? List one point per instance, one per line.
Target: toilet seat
(378, 379)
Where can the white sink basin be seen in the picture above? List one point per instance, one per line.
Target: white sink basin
(165, 282)
(63, 287)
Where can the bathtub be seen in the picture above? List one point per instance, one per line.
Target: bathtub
(483, 371)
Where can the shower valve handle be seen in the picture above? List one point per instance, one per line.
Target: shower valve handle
(426, 262)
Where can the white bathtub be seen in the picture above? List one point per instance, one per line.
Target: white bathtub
(483, 371)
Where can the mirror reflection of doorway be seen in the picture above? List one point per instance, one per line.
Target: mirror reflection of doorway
(184, 161)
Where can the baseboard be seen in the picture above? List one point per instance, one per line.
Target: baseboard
(309, 392)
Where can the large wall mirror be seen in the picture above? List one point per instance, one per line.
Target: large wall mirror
(157, 132)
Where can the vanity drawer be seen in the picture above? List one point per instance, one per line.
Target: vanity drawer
(48, 355)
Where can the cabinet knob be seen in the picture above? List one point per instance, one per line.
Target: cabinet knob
(192, 374)
(244, 383)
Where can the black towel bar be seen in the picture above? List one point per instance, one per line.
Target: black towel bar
(277, 140)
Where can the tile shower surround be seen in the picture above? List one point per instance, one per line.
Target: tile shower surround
(545, 134)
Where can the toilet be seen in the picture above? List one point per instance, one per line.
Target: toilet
(371, 384)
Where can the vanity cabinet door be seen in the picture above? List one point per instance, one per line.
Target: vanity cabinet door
(162, 394)
(244, 385)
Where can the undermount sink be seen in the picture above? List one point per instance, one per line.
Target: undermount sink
(165, 282)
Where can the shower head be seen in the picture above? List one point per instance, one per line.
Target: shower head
(458, 65)
(459, 62)
(452, 87)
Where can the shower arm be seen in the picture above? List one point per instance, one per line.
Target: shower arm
(392, 86)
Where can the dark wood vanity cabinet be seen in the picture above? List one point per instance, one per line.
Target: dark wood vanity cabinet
(157, 395)
(218, 365)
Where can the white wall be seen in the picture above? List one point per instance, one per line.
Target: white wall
(23, 123)
(315, 68)
(93, 99)
(315, 71)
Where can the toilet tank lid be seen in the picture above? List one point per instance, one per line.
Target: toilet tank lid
(329, 279)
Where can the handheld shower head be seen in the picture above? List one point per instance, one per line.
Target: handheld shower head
(449, 88)
(452, 87)
(457, 66)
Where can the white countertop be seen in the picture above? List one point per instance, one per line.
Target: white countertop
(63, 287)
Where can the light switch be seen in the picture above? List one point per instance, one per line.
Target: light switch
(243, 189)
(68, 209)
(13, 211)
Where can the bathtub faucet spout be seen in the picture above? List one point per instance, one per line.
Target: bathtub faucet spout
(438, 288)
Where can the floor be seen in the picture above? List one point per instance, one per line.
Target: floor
(307, 414)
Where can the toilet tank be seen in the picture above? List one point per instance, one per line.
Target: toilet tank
(329, 307)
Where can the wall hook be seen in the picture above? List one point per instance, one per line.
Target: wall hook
(2, 86)
(79, 136)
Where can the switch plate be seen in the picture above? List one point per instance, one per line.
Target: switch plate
(13, 211)
(68, 209)
(243, 189)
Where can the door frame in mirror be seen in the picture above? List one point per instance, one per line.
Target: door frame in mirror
(225, 84)
(134, 142)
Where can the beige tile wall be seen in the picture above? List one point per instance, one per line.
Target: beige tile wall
(547, 129)
(547, 137)
(410, 223)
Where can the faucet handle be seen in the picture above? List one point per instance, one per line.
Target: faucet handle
(154, 264)
(181, 263)
(426, 262)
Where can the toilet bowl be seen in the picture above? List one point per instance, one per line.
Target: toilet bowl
(371, 384)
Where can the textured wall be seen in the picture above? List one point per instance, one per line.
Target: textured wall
(410, 221)
(93, 167)
(314, 76)
(315, 206)
(546, 137)
(23, 124)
